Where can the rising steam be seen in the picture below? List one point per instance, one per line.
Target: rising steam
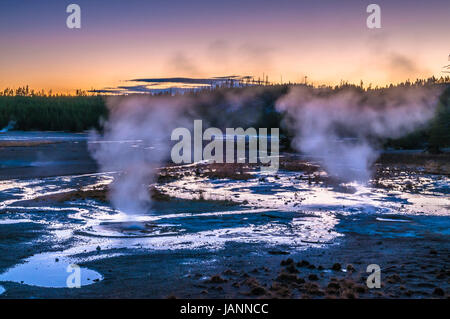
(343, 129)
(137, 137)
(135, 142)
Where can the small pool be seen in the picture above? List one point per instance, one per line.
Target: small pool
(49, 271)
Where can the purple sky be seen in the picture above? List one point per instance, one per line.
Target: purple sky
(327, 41)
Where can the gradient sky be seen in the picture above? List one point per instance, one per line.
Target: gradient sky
(119, 40)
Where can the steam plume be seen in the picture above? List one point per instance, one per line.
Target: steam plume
(135, 141)
(343, 128)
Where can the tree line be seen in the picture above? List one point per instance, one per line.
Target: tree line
(31, 110)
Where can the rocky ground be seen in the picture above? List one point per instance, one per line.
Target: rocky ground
(413, 251)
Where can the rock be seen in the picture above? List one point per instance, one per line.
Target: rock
(286, 262)
(332, 292)
(438, 291)
(229, 272)
(216, 279)
(303, 263)
(258, 291)
(336, 267)
(280, 290)
(393, 279)
(291, 269)
(349, 294)
(313, 289)
(347, 283)
(317, 292)
(441, 275)
(278, 252)
(251, 282)
(286, 277)
(313, 277)
(98, 248)
(334, 285)
(360, 289)
(350, 268)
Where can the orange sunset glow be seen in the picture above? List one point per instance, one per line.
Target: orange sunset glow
(285, 42)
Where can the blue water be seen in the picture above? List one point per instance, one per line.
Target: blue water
(42, 136)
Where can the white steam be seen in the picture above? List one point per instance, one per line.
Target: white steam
(343, 129)
(135, 142)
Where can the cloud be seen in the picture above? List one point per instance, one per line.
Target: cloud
(174, 84)
(255, 55)
(396, 65)
(176, 80)
(180, 63)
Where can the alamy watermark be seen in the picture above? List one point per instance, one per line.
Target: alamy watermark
(374, 19)
(374, 279)
(74, 279)
(218, 142)
(74, 19)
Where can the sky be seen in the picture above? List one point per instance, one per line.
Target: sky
(286, 40)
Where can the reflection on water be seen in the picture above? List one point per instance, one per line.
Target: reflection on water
(41, 136)
(287, 192)
(47, 270)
